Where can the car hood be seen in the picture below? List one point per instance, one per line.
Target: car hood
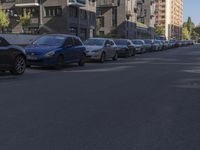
(92, 48)
(39, 49)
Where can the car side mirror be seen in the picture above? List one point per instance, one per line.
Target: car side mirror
(107, 45)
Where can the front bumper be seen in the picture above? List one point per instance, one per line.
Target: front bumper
(42, 61)
(93, 55)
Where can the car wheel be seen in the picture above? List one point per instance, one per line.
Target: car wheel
(82, 60)
(103, 57)
(19, 65)
(134, 52)
(130, 53)
(115, 57)
(60, 62)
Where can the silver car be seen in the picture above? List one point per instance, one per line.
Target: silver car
(139, 46)
(101, 49)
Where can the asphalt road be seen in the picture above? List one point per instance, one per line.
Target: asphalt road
(148, 102)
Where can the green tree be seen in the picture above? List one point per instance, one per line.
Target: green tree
(190, 25)
(186, 34)
(160, 30)
(25, 19)
(4, 20)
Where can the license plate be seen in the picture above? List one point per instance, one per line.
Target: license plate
(31, 57)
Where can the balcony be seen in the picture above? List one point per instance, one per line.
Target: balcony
(107, 3)
(26, 3)
(77, 3)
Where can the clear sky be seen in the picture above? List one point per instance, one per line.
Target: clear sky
(192, 9)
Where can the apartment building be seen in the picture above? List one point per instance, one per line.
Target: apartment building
(116, 18)
(170, 16)
(75, 17)
(146, 18)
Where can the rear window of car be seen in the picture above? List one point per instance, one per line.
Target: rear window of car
(120, 42)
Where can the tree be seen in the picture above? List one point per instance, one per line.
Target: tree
(160, 30)
(25, 19)
(186, 34)
(4, 20)
(190, 25)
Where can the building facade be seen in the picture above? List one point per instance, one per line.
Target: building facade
(146, 18)
(170, 16)
(116, 18)
(75, 17)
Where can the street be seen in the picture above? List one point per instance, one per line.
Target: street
(147, 102)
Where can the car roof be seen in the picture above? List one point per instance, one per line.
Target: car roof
(101, 38)
(64, 35)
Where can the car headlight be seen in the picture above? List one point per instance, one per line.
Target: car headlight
(49, 54)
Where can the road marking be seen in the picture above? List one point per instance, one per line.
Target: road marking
(189, 83)
(119, 68)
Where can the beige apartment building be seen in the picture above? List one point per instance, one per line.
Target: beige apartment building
(169, 14)
(146, 18)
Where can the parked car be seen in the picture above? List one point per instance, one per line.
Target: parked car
(139, 46)
(125, 47)
(156, 45)
(56, 50)
(12, 58)
(101, 49)
(160, 45)
(148, 43)
(179, 43)
(172, 43)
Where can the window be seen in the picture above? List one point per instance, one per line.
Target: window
(77, 42)
(69, 42)
(3, 42)
(73, 12)
(53, 11)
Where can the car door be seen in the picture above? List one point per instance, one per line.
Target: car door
(77, 49)
(112, 49)
(69, 50)
(107, 48)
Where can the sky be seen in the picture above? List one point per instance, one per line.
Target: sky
(192, 9)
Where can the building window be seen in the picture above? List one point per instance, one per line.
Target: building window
(101, 22)
(114, 17)
(53, 11)
(83, 14)
(73, 12)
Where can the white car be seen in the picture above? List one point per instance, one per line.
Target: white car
(101, 49)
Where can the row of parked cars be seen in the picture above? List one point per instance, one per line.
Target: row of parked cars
(59, 49)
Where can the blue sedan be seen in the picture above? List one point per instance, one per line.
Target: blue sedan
(56, 50)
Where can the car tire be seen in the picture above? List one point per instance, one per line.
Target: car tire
(59, 62)
(19, 66)
(134, 52)
(82, 60)
(115, 57)
(103, 57)
(130, 53)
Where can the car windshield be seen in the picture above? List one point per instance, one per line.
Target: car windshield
(137, 42)
(50, 40)
(94, 42)
(147, 41)
(120, 42)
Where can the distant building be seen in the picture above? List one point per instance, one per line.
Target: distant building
(116, 18)
(146, 18)
(53, 16)
(170, 16)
